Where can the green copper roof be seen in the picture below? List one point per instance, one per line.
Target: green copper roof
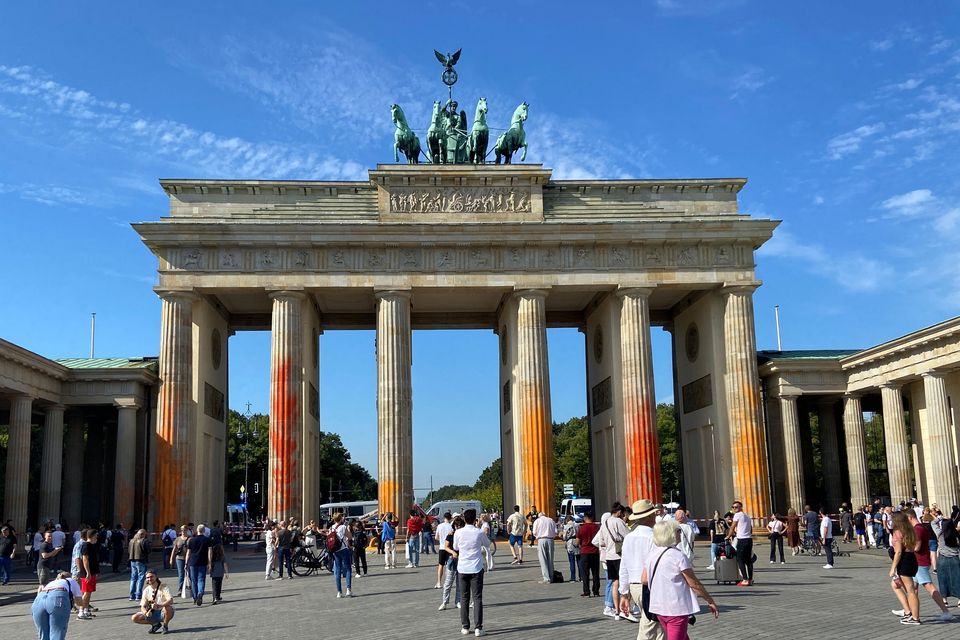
(108, 363)
(806, 354)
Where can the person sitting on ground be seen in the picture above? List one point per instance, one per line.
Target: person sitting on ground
(156, 605)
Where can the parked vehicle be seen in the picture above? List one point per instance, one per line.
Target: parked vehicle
(576, 507)
(437, 509)
(349, 509)
(237, 522)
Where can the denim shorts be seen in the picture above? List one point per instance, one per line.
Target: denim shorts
(923, 576)
(516, 540)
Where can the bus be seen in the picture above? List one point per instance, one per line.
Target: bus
(349, 509)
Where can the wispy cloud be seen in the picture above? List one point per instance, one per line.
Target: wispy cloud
(751, 80)
(853, 271)
(909, 204)
(881, 45)
(849, 142)
(942, 214)
(90, 119)
(696, 7)
(50, 194)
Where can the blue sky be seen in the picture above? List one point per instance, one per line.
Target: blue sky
(844, 116)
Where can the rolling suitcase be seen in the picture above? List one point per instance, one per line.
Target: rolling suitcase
(725, 571)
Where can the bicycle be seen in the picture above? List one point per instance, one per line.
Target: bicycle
(305, 562)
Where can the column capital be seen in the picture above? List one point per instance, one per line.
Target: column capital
(739, 287)
(534, 292)
(934, 374)
(852, 396)
(788, 395)
(286, 294)
(634, 292)
(126, 403)
(393, 294)
(890, 384)
(176, 295)
(55, 407)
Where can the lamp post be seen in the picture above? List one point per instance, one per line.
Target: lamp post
(243, 435)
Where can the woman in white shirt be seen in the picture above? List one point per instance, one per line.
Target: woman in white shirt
(776, 528)
(673, 586)
(270, 539)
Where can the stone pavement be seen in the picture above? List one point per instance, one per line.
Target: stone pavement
(792, 600)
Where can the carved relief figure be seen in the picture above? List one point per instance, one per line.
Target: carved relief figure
(191, 258)
(460, 200)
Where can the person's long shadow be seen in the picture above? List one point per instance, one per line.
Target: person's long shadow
(199, 629)
(534, 627)
(521, 603)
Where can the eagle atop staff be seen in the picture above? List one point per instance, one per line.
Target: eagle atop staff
(448, 60)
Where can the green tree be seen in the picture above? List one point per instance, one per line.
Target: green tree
(669, 450)
(571, 456)
(341, 479)
(446, 492)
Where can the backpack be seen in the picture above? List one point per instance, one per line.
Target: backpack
(334, 543)
(950, 536)
(557, 577)
(360, 539)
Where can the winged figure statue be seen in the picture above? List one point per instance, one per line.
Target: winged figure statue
(448, 60)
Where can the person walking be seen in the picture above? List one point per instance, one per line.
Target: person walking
(168, 536)
(923, 553)
(444, 529)
(637, 547)
(948, 571)
(198, 561)
(612, 533)
(903, 570)
(776, 528)
(156, 605)
(487, 531)
(414, 527)
(860, 528)
(341, 554)
(469, 543)
(360, 542)
(572, 547)
(389, 537)
(178, 557)
(51, 607)
(8, 549)
(139, 554)
(673, 585)
(270, 542)
(589, 555)
(545, 531)
(117, 543)
(846, 525)
(451, 579)
(218, 570)
(516, 529)
(284, 555)
(742, 534)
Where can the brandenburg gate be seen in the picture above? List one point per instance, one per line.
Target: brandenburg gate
(445, 246)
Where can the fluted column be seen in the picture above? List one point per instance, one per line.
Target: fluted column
(856, 451)
(937, 447)
(286, 395)
(639, 399)
(176, 417)
(51, 464)
(750, 475)
(18, 462)
(532, 388)
(895, 441)
(124, 481)
(73, 469)
(793, 454)
(394, 404)
(830, 453)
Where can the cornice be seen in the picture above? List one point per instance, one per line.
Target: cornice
(895, 348)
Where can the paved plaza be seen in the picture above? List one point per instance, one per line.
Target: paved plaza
(786, 601)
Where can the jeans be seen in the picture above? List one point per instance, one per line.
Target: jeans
(608, 592)
(51, 613)
(449, 580)
(776, 542)
(413, 548)
(828, 548)
(181, 572)
(471, 588)
(341, 567)
(745, 557)
(714, 552)
(545, 552)
(574, 559)
(286, 560)
(427, 543)
(5, 570)
(198, 580)
(138, 571)
(166, 557)
(590, 565)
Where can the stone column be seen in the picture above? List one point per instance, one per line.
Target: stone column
(51, 464)
(532, 389)
(73, 470)
(639, 401)
(749, 459)
(176, 418)
(937, 447)
(286, 395)
(18, 462)
(394, 404)
(856, 451)
(830, 453)
(124, 481)
(793, 454)
(895, 441)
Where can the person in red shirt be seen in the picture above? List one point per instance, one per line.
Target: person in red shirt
(589, 555)
(414, 527)
(923, 579)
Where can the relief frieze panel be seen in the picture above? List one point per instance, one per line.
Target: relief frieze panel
(459, 200)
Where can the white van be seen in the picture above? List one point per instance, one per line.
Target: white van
(576, 507)
(437, 509)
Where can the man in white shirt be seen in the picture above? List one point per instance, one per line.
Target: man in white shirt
(443, 530)
(516, 529)
(687, 534)
(636, 548)
(742, 534)
(545, 531)
(469, 543)
(826, 537)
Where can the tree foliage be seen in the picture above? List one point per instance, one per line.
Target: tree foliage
(571, 456)
(670, 464)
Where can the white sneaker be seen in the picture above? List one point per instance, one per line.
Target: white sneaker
(438, 586)
(772, 562)
(442, 607)
(349, 593)
(464, 632)
(710, 567)
(357, 576)
(630, 617)
(608, 611)
(898, 612)
(479, 632)
(946, 616)
(458, 605)
(339, 595)
(409, 565)
(828, 566)
(782, 562)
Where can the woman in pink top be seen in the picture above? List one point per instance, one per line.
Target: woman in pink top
(672, 584)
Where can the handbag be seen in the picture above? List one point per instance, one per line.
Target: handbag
(645, 591)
